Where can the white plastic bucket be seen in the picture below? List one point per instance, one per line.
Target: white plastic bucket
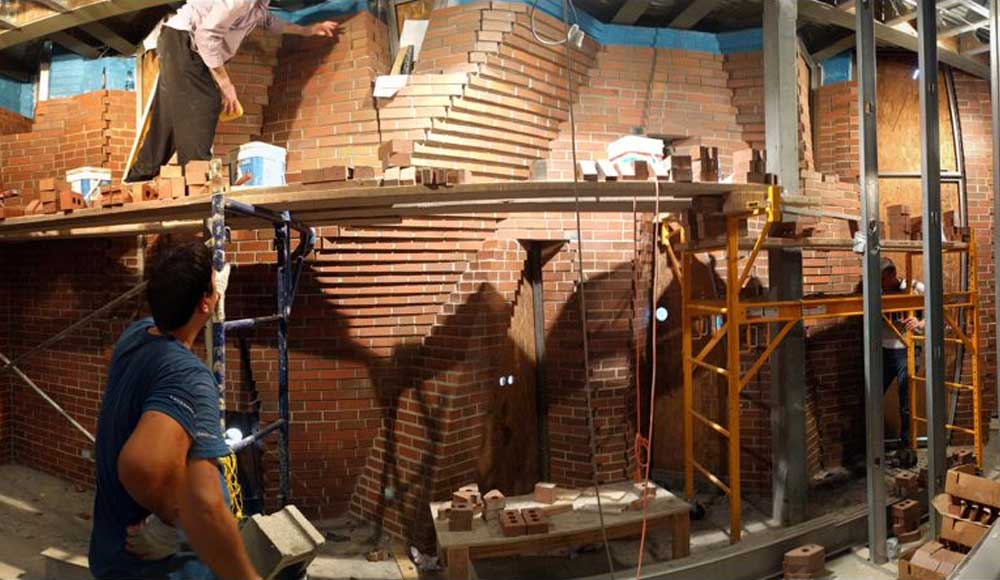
(87, 180)
(264, 161)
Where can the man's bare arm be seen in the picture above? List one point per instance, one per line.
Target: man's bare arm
(209, 525)
(230, 102)
(152, 463)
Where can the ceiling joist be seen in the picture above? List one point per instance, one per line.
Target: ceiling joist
(73, 17)
(110, 38)
(694, 13)
(631, 11)
(72, 43)
(823, 13)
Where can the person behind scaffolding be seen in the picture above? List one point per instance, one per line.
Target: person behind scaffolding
(895, 359)
(160, 489)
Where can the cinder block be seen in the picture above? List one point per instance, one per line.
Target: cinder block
(545, 492)
(906, 514)
(512, 523)
(282, 541)
(805, 561)
(535, 521)
(494, 499)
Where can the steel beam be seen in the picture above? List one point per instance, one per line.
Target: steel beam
(790, 479)
(995, 91)
(962, 29)
(872, 276)
(930, 165)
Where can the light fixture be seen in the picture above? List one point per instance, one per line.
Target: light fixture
(916, 73)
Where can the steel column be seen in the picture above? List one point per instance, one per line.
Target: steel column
(933, 270)
(217, 229)
(995, 92)
(285, 282)
(872, 275)
(790, 482)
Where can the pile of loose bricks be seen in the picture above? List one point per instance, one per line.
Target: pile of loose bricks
(701, 165)
(968, 507)
(467, 503)
(903, 225)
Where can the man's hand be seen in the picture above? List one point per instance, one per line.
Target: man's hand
(151, 539)
(913, 324)
(230, 102)
(328, 28)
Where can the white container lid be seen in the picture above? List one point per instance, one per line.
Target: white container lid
(261, 149)
(88, 172)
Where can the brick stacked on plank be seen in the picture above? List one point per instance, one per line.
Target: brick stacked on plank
(7, 209)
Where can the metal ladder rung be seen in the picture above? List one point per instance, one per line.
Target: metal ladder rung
(711, 477)
(715, 426)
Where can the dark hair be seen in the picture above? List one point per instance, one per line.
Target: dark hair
(181, 277)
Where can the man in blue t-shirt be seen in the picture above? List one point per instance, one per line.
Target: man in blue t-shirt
(159, 438)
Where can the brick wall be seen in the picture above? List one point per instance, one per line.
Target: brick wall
(94, 129)
(688, 98)
(321, 105)
(11, 122)
(836, 119)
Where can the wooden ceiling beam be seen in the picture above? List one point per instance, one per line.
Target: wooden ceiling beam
(110, 38)
(631, 11)
(70, 42)
(694, 13)
(73, 17)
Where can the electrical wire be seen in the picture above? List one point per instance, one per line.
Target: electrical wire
(549, 41)
(582, 304)
(652, 378)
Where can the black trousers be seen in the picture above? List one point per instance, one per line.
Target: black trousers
(894, 366)
(185, 111)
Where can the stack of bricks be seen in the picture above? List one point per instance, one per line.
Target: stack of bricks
(465, 503)
(115, 195)
(679, 168)
(57, 196)
(705, 164)
(749, 166)
(494, 503)
(524, 522)
(906, 520)
(11, 122)
(805, 562)
(932, 561)
(321, 108)
(898, 217)
(7, 209)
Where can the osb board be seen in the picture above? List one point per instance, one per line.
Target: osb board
(508, 458)
(900, 141)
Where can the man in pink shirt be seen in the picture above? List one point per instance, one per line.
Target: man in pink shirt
(194, 88)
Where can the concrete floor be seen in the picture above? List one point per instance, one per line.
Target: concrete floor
(38, 511)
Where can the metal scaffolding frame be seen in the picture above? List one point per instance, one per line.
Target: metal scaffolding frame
(734, 315)
(290, 265)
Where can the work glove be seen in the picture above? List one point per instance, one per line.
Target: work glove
(151, 539)
(221, 283)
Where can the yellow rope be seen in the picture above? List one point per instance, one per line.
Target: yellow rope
(233, 483)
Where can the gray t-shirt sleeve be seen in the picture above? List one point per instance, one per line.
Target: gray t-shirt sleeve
(191, 398)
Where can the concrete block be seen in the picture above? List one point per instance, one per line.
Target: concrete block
(546, 492)
(281, 541)
(805, 561)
